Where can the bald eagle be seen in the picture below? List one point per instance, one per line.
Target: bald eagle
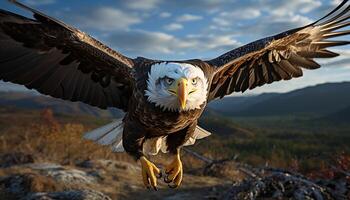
(162, 99)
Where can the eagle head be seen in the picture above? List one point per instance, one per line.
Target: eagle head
(176, 86)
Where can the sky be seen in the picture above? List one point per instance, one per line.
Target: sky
(186, 29)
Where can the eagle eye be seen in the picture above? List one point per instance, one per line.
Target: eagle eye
(194, 81)
(168, 80)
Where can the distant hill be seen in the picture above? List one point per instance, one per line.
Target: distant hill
(323, 99)
(33, 101)
(342, 116)
(235, 104)
(330, 99)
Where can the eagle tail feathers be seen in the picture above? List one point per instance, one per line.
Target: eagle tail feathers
(198, 134)
(110, 134)
(154, 145)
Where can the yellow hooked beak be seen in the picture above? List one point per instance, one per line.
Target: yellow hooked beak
(182, 92)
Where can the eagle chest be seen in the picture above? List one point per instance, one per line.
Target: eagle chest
(160, 122)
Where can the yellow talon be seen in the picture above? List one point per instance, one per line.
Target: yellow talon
(174, 172)
(149, 172)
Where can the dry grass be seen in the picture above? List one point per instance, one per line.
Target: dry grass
(58, 140)
(49, 140)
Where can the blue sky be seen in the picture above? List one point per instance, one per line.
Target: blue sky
(182, 29)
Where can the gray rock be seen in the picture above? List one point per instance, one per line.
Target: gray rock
(45, 166)
(68, 195)
(17, 158)
(109, 165)
(21, 184)
(282, 185)
(71, 176)
(63, 174)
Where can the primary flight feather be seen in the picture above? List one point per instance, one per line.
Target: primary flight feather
(162, 99)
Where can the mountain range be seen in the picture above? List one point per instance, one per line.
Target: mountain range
(35, 101)
(331, 99)
(325, 100)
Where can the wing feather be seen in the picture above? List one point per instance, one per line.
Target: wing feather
(59, 60)
(279, 57)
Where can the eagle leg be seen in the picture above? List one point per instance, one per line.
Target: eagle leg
(149, 172)
(174, 172)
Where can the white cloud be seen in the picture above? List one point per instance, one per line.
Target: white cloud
(40, 2)
(271, 25)
(106, 19)
(203, 6)
(188, 17)
(165, 15)
(173, 27)
(336, 2)
(140, 42)
(142, 4)
(154, 44)
(219, 28)
(309, 5)
(266, 25)
(7, 86)
(212, 42)
(218, 21)
(296, 6)
(265, 16)
(248, 13)
(295, 19)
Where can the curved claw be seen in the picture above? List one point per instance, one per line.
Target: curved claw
(173, 186)
(166, 180)
(174, 173)
(148, 173)
(159, 176)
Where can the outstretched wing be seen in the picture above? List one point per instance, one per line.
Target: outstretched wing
(61, 61)
(280, 57)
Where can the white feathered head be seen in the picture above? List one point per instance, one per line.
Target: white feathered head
(177, 86)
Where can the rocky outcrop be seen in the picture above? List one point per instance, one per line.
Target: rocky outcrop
(279, 184)
(97, 180)
(68, 195)
(47, 181)
(20, 185)
(111, 179)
